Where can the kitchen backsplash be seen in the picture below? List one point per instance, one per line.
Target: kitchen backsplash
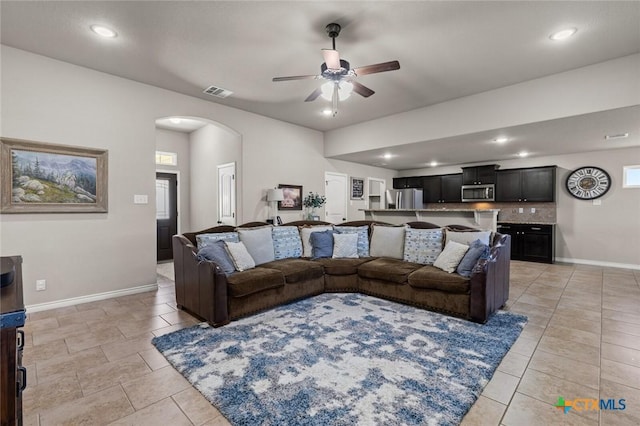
(509, 212)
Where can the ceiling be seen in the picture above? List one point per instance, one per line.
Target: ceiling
(446, 50)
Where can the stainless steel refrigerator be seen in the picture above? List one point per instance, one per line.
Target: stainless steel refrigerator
(408, 198)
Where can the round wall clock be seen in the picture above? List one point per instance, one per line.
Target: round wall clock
(588, 183)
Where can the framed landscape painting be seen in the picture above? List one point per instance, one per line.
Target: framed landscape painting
(292, 197)
(45, 178)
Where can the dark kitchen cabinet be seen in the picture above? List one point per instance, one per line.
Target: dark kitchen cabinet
(530, 242)
(442, 188)
(480, 175)
(537, 184)
(407, 182)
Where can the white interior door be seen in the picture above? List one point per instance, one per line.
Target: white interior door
(336, 191)
(227, 194)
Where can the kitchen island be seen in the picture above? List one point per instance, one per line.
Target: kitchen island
(477, 218)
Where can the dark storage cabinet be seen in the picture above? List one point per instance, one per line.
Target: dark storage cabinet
(442, 188)
(407, 182)
(530, 242)
(13, 376)
(479, 175)
(536, 184)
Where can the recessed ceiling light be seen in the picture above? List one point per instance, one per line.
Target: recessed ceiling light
(433, 163)
(326, 111)
(501, 139)
(175, 120)
(104, 31)
(617, 136)
(523, 154)
(386, 156)
(563, 34)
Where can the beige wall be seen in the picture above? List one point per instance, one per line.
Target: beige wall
(606, 234)
(178, 142)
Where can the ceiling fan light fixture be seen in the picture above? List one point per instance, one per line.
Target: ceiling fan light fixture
(327, 111)
(103, 31)
(344, 90)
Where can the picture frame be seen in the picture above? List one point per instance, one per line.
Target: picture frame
(357, 188)
(40, 177)
(292, 197)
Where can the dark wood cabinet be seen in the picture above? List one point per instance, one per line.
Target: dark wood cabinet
(442, 188)
(407, 182)
(537, 184)
(530, 242)
(479, 175)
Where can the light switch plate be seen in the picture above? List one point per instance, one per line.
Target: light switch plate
(140, 199)
(533, 209)
(520, 210)
(597, 202)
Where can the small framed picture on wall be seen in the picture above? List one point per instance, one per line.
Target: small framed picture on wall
(292, 197)
(357, 188)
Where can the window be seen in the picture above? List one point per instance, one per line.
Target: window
(166, 158)
(631, 176)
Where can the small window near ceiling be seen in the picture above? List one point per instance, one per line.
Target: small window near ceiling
(631, 176)
(166, 158)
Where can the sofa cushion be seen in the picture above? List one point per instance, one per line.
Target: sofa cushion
(475, 252)
(345, 246)
(342, 266)
(321, 244)
(217, 252)
(387, 241)
(467, 237)
(363, 237)
(296, 270)
(305, 234)
(286, 242)
(430, 277)
(255, 280)
(386, 269)
(259, 243)
(422, 245)
(204, 239)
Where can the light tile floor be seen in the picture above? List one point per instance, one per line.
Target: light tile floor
(94, 363)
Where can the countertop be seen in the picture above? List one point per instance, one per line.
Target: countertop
(508, 222)
(429, 210)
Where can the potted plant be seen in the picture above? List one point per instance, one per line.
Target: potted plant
(311, 202)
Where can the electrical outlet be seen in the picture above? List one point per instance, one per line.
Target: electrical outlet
(41, 285)
(597, 202)
(533, 209)
(520, 210)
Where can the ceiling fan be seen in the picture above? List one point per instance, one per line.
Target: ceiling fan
(341, 78)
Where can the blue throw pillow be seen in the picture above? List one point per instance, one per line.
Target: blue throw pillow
(477, 249)
(216, 252)
(321, 244)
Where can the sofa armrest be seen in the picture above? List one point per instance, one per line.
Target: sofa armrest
(490, 280)
(201, 286)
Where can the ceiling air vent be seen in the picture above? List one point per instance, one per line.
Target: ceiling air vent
(217, 91)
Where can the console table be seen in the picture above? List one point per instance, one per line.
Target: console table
(13, 376)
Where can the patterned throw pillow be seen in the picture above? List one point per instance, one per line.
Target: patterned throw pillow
(286, 242)
(259, 243)
(345, 246)
(305, 234)
(241, 258)
(422, 245)
(476, 251)
(387, 241)
(451, 256)
(363, 237)
(205, 239)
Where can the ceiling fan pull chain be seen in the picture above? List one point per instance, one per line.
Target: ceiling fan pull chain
(334, 99)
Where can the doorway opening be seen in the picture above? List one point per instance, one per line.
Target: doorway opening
(166, 213)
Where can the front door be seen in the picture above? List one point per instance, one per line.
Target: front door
(336, 192)
(166, 213)
(227, 194)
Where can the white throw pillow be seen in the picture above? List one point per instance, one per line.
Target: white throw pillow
(451, 256)
(345, 246)
(305, 235)
(259, 243)
(240, 256)
(468, 237)
(387, 241)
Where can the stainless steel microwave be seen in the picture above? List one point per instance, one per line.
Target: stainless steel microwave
(478, 193)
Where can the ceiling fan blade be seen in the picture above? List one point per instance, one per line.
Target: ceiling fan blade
(296, 77)
(362, 90)
(314, 95)
(371, 69)
(331, 58)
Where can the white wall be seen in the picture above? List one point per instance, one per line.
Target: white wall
(211, 146)
(587, 233)
(178, 142)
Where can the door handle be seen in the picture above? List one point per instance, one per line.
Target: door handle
(22, 383)
(536, 229)
(20, 339)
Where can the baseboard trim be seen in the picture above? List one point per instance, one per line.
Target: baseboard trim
(89, 298)
(598, 263)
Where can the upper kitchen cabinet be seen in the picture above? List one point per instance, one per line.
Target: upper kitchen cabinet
(442, 188)
(479, 175)
(537, 184)
(407, 182)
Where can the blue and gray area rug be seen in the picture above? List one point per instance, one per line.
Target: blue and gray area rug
(342, 359)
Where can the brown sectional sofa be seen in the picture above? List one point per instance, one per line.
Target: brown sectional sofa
(205, 291)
